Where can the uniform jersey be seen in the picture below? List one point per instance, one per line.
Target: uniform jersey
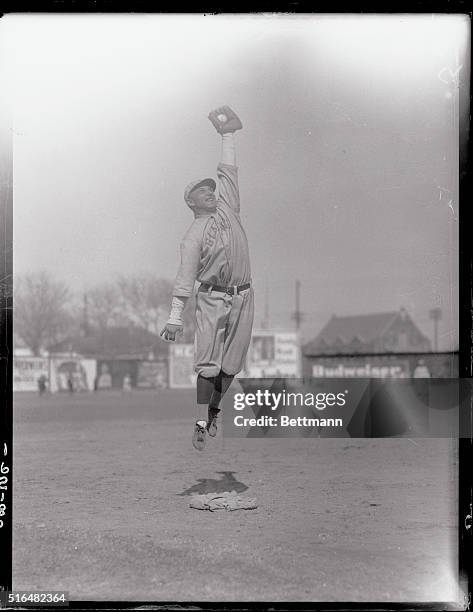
(215, 249)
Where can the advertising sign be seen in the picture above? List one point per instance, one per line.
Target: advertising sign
(273, 354)
(152, 375)
(362, 368)
(181, 366)
(27, 371)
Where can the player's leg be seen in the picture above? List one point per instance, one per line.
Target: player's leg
(235, 348)
(211, 314)
(221, 385)
(204, 392)
(238, 332)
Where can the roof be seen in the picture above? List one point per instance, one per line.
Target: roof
(132, 342)
(366, 327)
(356, 333)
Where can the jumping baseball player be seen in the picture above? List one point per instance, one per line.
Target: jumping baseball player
(214, 252)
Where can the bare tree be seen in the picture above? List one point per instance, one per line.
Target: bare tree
(40, 308)
(103, 306)
(146, 300)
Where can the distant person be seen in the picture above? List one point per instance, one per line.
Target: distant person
(421, 370)
(70, 384)
(127, 383)
(42, 384)
(104, 379)
(161, 380)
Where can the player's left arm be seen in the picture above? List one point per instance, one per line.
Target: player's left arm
(227, 122)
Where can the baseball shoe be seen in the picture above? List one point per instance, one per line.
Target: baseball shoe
(199, 437)
(212, 422)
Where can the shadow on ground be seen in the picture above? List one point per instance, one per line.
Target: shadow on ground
(227, 482)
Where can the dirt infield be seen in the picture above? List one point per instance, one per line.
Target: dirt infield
(101, 508)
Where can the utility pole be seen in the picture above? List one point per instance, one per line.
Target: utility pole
(297, 316)
(435, 315)
(265, 324)
(85, 316)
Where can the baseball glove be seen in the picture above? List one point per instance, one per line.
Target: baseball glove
(225, 120)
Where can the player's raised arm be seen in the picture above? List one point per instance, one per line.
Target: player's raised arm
(227, 122)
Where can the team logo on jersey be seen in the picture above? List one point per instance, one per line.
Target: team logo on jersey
(210, 235)
(213, 228)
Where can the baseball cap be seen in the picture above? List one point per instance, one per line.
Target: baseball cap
(191, 186)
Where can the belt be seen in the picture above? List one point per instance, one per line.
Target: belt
(233, 290)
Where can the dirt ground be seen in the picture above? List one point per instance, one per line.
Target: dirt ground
(102, 485)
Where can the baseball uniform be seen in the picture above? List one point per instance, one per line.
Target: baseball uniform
(215, 252)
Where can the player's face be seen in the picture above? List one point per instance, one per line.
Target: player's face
(203, 198)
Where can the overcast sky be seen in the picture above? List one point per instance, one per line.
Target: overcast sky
(347, 159)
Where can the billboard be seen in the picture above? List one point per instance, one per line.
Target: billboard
(152, 375)
(273, 354)
(181, 366)
(416, 365)
(362, 368)
(27, 371)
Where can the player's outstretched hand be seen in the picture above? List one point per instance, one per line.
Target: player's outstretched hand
(225, 120)
(170, 331)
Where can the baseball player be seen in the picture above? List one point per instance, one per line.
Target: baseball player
(214, 252)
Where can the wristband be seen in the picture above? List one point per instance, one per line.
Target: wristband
(228, 149)
(177, 308)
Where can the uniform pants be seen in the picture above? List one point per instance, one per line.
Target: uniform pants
(223, 331)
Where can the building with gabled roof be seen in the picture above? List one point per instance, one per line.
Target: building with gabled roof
(386, 344)
(385, 332)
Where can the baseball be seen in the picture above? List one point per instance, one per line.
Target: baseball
(222, 118)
